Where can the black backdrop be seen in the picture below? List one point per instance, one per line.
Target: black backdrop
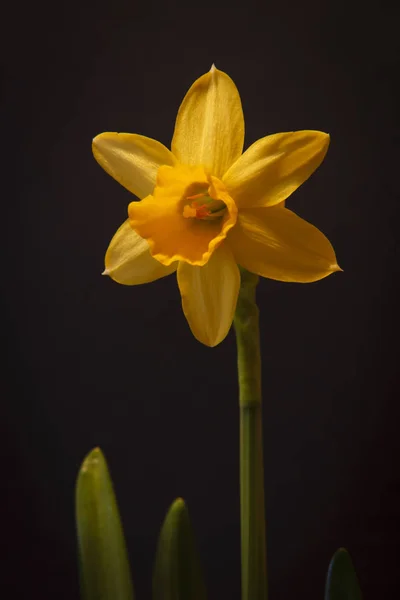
(90, 363)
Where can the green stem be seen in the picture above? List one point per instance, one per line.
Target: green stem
(252, 509)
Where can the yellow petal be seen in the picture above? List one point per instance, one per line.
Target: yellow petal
(209, 295)
(276, 243)
(160, 218)
(128, 259)
(133, 160)
(209, 128)
(274, 167)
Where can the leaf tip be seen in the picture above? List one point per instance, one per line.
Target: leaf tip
(92, 459)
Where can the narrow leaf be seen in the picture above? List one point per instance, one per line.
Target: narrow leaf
(341, 581)
(104, 565)
(177, 571)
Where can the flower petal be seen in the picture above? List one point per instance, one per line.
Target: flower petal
(274, 167)
(209, 128)
(276, 243)
(128, 259)
(133, 160)
(209, 295)
(160, 218)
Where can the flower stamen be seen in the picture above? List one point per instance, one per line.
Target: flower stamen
(207, 210)
(195, 196)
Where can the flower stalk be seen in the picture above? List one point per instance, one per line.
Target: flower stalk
(252, 508)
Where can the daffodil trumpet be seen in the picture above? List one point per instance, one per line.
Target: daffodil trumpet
(216, 217)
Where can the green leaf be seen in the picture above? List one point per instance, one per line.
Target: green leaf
(341, 581)
(104, 565)
(177, 571)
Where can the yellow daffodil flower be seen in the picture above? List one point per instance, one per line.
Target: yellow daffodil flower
(206, 208)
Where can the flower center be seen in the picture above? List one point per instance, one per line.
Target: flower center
(203, 207)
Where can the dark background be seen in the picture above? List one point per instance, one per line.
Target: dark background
(89, 362)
